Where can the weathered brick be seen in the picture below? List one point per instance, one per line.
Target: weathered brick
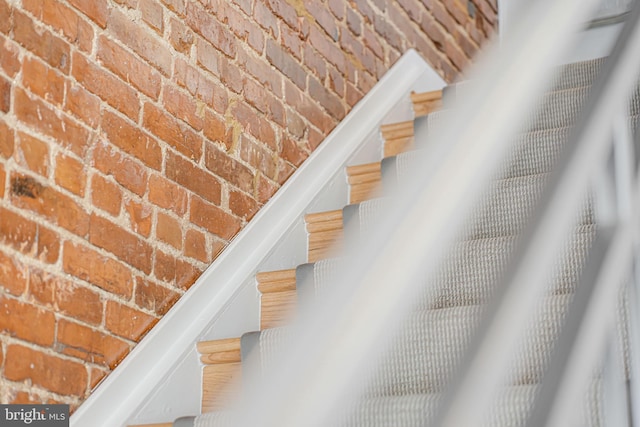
(243, 28)
(5, 11)
(262, 71)
(3, 180)
(242, 205)
(266, 189)
(187, 174)
(28, 237)
(165, 267)
(89, 345)
(59, 209)
(167, 195)
(33, 154)
(154, 297)
(140, 216)
(254, 124)
(49, 372)
(82, 104)
(126, 246)
(354, 22)
(65, 296)
(285, 170)
(328, 49)
(89, 265)
(140, 41)
(128, 67)
(70, 174)
(127, 322)
(17, 319)
(218, 65)
(292, 152)
(63, 19)
(132, 140)
(5, 95)
(177, 6)
(96, 10)
(216, 130)
(295, 125)
(208, 27)
(171, 131)
(195, 245)
(13, 274)
(9, 53)
(40, 116)
(258, 157)
(186, 274)
(129, 173)
(169, 230)
(52, 49)
(285, 11)
(315, 62)
(213, 219)
(180, 37)
(371, 41)
(112, 90)
(328, 100)
(323, 17)
(183, 106)
(201, 86)
(106, 195)
(152, 14)
(308, 109)
(228, 168)
(283, 62)
(266, 19)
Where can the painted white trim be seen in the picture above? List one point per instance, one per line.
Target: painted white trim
(115, 401)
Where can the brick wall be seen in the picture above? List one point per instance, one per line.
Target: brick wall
(137, 137)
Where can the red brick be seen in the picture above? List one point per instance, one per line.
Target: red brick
(56, 207)
(242, 205)
(216, 130)
(83, 104)
(40, 116)
(65, 20)
(362, 57)
(254, 124)
(13, 274)
(96, 377)
(5, 95)
(96, 10)
(33, 154)
(140, 217)
(180, 36)
(171, 131)
(24, 398)
(89, 345)
(209, 58)
(285, 11)
(228, 168)
(9, 56)
(50, 372)
(167, 195)
(28, 237)
(128, 137)
(292, 152)
(17, 319)
(262, 71)
(186, 274)
(256, 95)
(112, 90)
(127, 322)
(152, 14)
(154, 297)
(213, 219)
(183, 106)
(5, 11)
(308, 109)
(177, 6)
(266, 189)
(165, 267)
(70, 174)
(106, 273)
(286, 64)
(3, 180)
(328, 100)
(43, 43)
(337, 7)
(285, 170)
(324, 18)
(315, 62)
(140, 41)
(195, 245)
(243, 28)
(258, 157)
(120, 242)
(129, 68)
(168, 230)
(328, 49)
(128, 172)
(371, 41)
(201, 86)
(208, 27)
(187, 174)
(66, 297)
(266, 19)
(106, 195)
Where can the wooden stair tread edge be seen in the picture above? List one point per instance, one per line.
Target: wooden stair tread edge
(397, 130)
(221, 351)
(366, 168)
(276, 281)
(323, 216)
(433, 95)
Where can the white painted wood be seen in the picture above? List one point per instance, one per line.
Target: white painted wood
(155, 383)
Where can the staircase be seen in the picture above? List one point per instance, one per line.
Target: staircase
(407, 387)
